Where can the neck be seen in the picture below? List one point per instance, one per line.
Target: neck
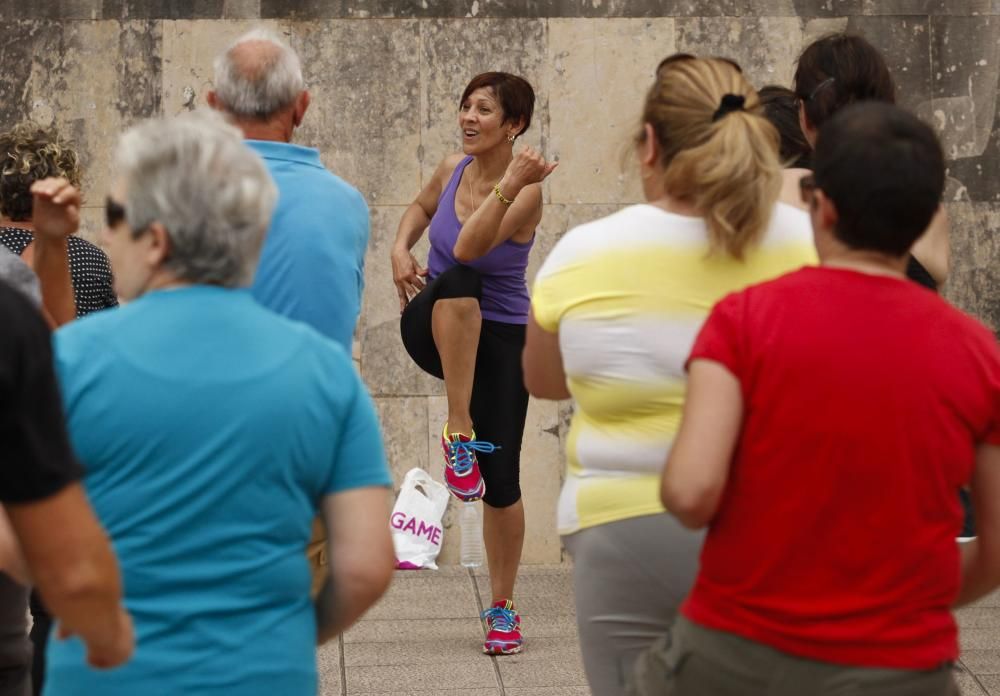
(864, 261)
(675, 206)
(491, 165)
(274, 130)
(20, 224)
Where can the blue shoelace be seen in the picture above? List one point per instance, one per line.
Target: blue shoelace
(500, 619)
(461, 453)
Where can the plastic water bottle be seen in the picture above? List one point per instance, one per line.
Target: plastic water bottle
(472, 535)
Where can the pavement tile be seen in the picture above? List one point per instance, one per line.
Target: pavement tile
(991, 682)
(478, 674)
(415, 631)
(968, 686)
(550, 691)
(533, 673)
(979, 638)
(431, 692)
(437, 651)
(564, 649)
(549, 627)
(328, 666)
(978, 617)
(427, 598)
(982, 661)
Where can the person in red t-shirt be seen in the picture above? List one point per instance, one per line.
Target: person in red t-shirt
(831, 415)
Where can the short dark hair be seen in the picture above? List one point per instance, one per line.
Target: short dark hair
(883, 169)
(837, 70)
(515, 94)
(781, 108)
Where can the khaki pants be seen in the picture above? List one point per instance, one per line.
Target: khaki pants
(316, 553)
(696, 660)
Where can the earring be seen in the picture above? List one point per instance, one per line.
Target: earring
(510, 138)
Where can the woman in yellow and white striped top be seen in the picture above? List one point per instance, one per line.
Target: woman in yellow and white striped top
(615, 310)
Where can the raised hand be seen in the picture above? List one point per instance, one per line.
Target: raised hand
(407, 275)
(527, 167)
(56, 208)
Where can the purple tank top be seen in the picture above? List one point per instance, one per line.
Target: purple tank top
(505, 291)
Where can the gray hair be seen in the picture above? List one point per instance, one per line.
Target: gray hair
(194, 175)
(255, 82)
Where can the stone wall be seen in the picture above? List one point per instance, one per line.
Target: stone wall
(385, 76)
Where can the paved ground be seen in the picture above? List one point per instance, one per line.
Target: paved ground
(423, 638)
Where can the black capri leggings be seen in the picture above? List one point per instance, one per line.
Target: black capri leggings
(499, 403)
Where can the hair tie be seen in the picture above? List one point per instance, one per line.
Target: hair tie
(730, 102)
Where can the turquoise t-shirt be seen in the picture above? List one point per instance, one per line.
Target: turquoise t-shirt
(210, 429)
(312, 264)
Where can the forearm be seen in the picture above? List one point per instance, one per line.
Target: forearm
(411, 226)
(482, 231)
(51, 264)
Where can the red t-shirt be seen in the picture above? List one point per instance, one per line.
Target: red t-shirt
(865, 397)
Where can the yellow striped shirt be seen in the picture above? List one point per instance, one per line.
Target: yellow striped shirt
(627, 295)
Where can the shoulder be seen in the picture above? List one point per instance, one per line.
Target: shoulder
(588, 240)
(15, 239)
(82, 250)
(448, 166)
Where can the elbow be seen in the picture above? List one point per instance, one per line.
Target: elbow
(76, 585)
(693, 508)
(462, 253)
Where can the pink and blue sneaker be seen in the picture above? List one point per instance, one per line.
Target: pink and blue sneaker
(503, 629)
(461, 468)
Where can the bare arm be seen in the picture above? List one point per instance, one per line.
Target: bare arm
(55, 215)
(361, 558)
(407, 273)
(932, 250)
(544, 376)
(981, 557)
(698, 466)
(75, 571)
(494, 222)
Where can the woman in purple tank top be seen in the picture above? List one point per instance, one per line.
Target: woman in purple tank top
(465, 324)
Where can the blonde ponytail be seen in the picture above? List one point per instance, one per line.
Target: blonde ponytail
(728, 168)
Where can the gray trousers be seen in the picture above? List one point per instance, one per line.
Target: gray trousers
(629, 579)
(696, 661)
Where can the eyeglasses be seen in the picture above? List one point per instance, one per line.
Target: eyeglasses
(807, 188)
(677, 57)
(114, 213)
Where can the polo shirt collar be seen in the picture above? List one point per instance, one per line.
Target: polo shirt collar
(290, 152)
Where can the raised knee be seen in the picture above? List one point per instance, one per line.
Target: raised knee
(464, 308)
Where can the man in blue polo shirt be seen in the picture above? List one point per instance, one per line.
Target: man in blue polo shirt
(312, 264)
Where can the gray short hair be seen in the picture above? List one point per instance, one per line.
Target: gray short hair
(194, 175)
(257, 82)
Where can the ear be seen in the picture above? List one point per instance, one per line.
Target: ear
(301, 106)
(649, 148)
(807, 128)
(213, 100)
(157, 245)
(518, 127)
(824, 210)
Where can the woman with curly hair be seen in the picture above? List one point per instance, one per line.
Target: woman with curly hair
(29, 153)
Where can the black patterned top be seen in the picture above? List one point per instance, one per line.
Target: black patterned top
(89, 269)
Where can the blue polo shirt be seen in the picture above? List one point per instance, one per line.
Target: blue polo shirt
(312, 264)
(210, 429)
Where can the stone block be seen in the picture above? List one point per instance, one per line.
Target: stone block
(454, 51)
(599, 72)
(90, 79)
(974, 283)
(363, 80)
(765, 47)
(61, 10)
(241, 9)
(404, 422)
(905, 43)
(189, 49)
(163, 9)
(387, 368)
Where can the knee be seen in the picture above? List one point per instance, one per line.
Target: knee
(460, 282)
(502, 495)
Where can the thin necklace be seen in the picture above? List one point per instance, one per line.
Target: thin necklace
(472, 198)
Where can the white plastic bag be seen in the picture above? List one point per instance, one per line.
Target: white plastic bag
(416, 521)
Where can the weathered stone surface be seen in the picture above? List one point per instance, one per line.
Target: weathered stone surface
(765, 47)
(975, 250)
(600, 70)
(89, 79)
(241, 9)
(905, 43)
(364, 81)
(453, 52)
(163, 9)
(404, 424)
(50, 9)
